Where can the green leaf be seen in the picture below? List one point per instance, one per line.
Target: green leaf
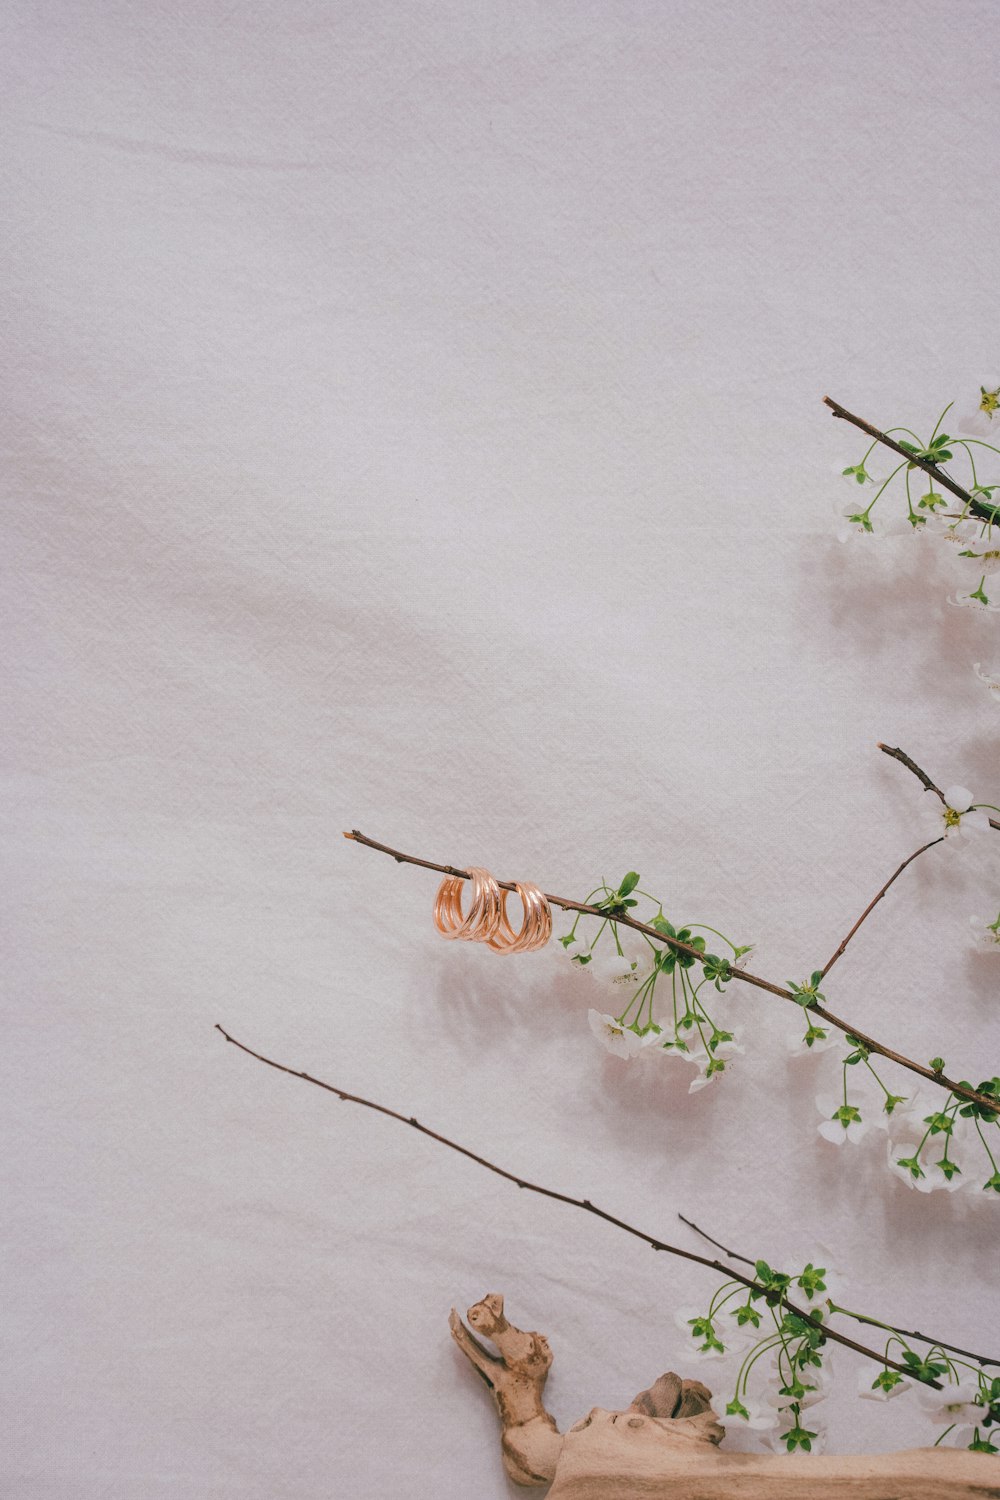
(628, 884)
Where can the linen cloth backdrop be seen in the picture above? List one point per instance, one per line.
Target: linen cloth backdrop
(413, 422)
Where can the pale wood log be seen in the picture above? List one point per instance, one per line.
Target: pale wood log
(665, 1446)
(626, 1456)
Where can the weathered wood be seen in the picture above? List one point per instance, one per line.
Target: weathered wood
(665, 1446)
(626, 1456)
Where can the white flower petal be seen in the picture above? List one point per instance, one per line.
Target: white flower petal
(958, 797)
(986, 934)
(968, 601)
(976, 821)
(991, 677)
(617, 1038)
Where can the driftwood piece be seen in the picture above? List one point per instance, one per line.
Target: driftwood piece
(665, 1446)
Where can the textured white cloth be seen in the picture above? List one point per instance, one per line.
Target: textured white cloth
(412, 422)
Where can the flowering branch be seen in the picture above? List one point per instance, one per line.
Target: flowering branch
(753, 1284)
(933, 1075)
(922, 776)
(985, 512)
(981, 1359)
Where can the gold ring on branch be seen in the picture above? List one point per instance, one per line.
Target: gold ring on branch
(536, 922)
(485, 910)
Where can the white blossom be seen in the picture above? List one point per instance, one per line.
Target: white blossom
(616, 1037)
(683, 1318)
(879, 1393)
(834, 1130)
(796, 1042)
(852, 521)
(991, 677)
(961, 820)
(931, 1178)
(986, 933)
(775, 1440)
(619, 971)
(816, 1381)
(761, 1415)
(977, 599)
(955, 1404)
(981, 417)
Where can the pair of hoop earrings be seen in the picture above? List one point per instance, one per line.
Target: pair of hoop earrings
(487, 920)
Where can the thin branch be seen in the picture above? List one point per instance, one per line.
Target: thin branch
(984, 512)
(743, 975)
(873, 903)
(733, 1254)
(909, 1333)
(591, 1208)
(922, 776)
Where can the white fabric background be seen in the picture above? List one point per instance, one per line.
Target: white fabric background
(412, 422)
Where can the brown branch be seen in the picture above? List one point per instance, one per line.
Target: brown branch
(733, 1254)
(873, 903)
(591, 1208)
(743, 975)
(908, 1333)
(984, 512)
(922, 776)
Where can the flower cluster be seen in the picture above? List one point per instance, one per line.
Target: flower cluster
(971, 527)
(657, 998)
(784, 1369)
(931, 1150)
(673, 1020)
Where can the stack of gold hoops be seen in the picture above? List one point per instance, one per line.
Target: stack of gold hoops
(486, 920)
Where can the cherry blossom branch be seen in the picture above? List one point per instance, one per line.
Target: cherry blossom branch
(743, 975)
(922, 776)
(872, 904)
(583, 1203)
(909, 1333)
(986, 513)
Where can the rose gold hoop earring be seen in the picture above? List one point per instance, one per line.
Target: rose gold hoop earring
(536, 923)
(483, 918)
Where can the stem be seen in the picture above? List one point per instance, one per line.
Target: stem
(591, 1208)
(743, 975)
(879, 1081)
(875, 901)
(942, 478)
(986, 1148)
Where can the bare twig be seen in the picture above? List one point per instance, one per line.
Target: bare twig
(743, 975)
(873, 903)
(591, 1208)
(984, 512)
(909, 1333)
